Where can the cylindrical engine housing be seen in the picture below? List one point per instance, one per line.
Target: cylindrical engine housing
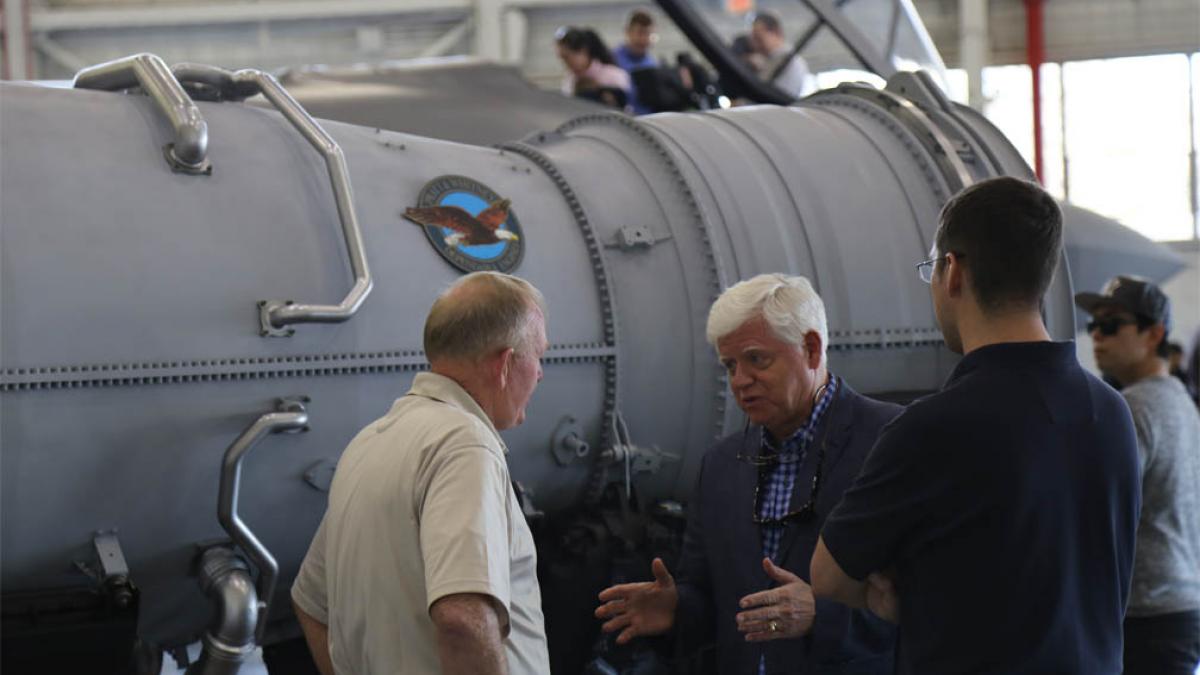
(130, 344)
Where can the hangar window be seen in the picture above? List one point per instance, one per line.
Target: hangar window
(1119, 135)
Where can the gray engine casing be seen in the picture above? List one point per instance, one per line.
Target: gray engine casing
(129, 343)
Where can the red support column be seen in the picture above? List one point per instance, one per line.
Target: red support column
(1035, 49)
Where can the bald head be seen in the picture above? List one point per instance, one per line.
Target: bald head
(482, 313)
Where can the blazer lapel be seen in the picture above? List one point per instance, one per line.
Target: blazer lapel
(835, 435)
(749, 534)
(841, 426)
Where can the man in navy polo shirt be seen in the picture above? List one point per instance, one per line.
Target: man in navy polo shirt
(634, 54)
(995, 520)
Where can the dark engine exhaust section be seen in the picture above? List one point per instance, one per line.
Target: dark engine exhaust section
(78, 629)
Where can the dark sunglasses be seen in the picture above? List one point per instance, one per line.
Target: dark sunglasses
(765, 462)
(1109, 325)
(802, 514)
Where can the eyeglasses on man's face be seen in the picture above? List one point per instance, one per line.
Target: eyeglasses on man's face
(925, 267)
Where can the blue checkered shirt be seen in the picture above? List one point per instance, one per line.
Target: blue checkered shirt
(776, 481)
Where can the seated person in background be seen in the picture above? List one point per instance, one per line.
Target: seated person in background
(1130, 321)
(760, 499)
(685, 86)
(591, 71)
(635, 54)
(781, 68)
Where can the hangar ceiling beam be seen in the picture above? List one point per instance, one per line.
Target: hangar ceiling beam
(489, 29)
(16, 40)
(59, 54)
(223, 13)
(48, 19)
(448, 40)
(975, 46)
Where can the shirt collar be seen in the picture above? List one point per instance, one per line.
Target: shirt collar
(441, 388)
(802, 436)
(627, 53)
(1011, 354)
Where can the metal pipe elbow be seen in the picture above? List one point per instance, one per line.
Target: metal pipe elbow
(226, 580)
(237, 609)
(191, 139)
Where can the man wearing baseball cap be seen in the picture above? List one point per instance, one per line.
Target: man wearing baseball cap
(1131, 318)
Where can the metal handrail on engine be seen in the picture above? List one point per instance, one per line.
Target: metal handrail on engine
(189, 152)
(291, 417)
(168, 87)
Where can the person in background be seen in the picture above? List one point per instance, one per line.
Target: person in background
(635, 54)
(1193, 367)
(996, 518)
(1131, 318)
(591, 71)
(1175, 366)
(743, 48)
(780, 67)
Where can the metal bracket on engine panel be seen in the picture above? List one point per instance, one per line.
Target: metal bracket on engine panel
(320, 475)
(633, 237)
(641, 459)
(567, 444)
(113, 572)
(112, 559)
(525, 499)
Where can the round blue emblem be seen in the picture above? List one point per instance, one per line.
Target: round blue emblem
(471, 226)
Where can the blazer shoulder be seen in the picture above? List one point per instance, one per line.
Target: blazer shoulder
(869, 412)
(726, 448)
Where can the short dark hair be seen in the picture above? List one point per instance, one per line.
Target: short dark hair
(1009, 233)
(584, 40)
(1163, 349)
(639, 17)
(770, 21)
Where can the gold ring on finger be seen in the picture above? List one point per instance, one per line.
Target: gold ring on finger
(773, 625)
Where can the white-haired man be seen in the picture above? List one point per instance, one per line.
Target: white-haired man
(761, 498)
(423, 562)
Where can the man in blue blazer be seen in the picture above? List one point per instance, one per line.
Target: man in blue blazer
(761, 499)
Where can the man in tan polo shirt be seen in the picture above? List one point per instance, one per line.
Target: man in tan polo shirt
(423, 562)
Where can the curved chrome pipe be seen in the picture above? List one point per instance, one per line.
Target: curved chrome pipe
(231, 639)
(293, 418)
(189, 152)
(276, 315)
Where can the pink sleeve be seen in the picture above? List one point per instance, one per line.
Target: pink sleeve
(614, 76)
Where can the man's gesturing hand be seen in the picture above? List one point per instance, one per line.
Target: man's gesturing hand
(786, 611)
(643, 608)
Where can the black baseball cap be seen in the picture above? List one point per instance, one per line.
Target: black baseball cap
(1138, 296)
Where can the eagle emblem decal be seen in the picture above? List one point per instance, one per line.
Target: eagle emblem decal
(471, 226)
